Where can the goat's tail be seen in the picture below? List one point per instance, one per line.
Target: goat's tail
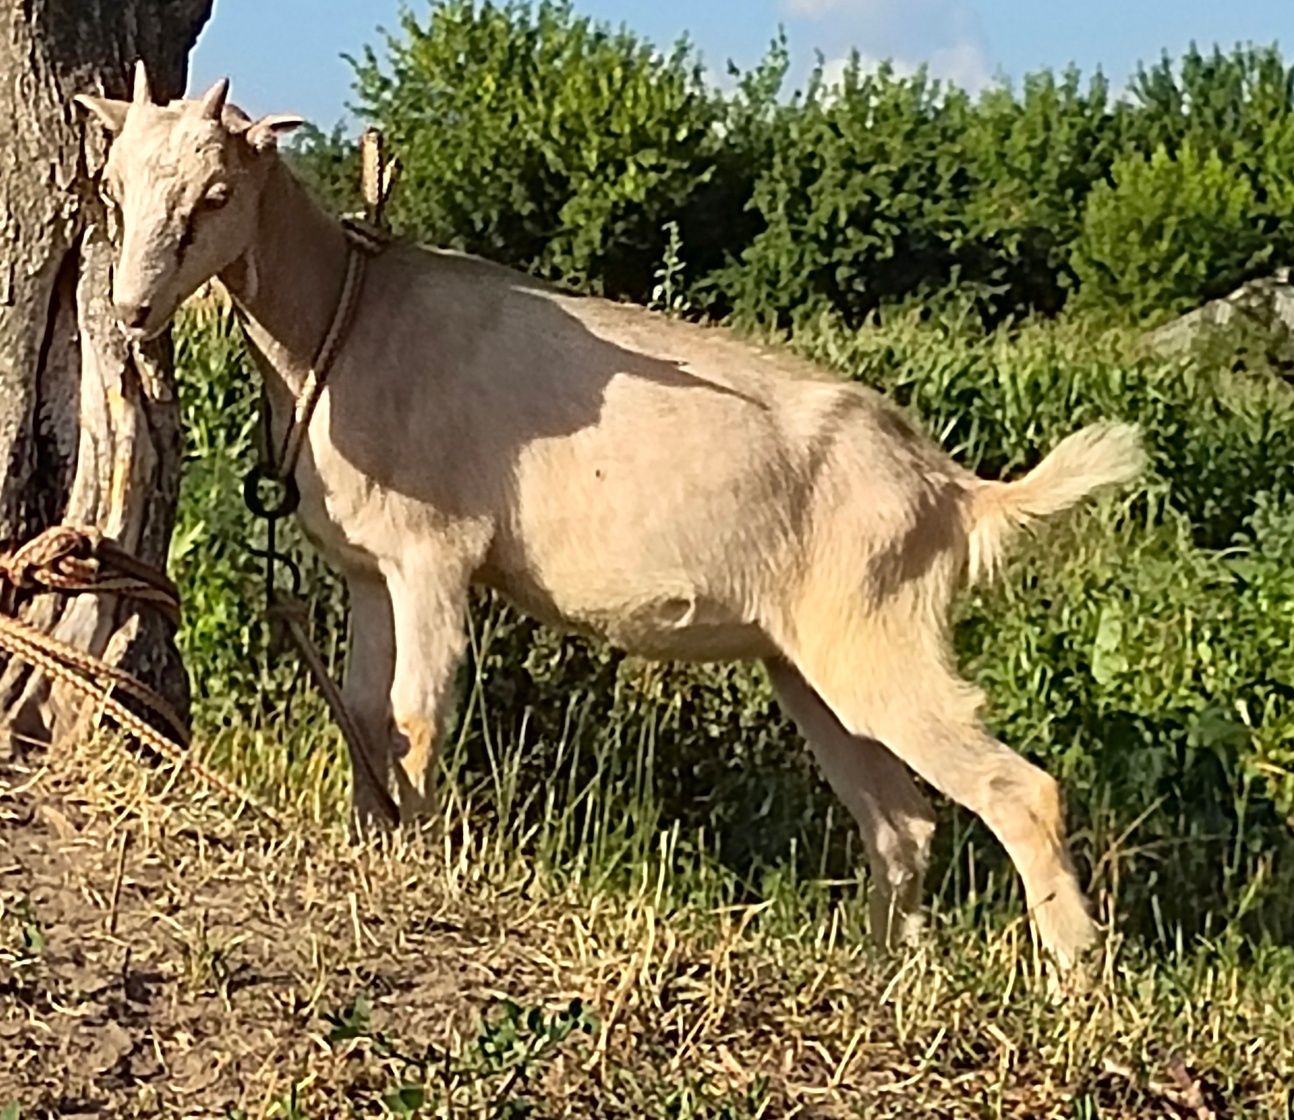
(1102, 455)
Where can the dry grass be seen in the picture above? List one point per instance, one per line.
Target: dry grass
(161, 958)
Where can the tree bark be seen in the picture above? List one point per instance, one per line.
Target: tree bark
(89, 430)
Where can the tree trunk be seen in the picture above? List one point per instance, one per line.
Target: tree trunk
(88, 424)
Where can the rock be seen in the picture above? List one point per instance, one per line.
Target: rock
(1267, 302)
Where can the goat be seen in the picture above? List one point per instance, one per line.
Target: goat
(668, 487)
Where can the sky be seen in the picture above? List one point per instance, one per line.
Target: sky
(285, 55)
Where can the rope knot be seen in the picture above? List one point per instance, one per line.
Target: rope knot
(75, 559)
(62, 558)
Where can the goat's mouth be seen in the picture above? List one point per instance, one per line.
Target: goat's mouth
(145, 334)
(151, 328)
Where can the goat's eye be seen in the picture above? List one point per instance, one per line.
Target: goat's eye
(215, 197)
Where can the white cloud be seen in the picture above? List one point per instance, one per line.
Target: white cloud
(962, 64)
(833, 70)
(719, 78)
(943, 35)
(812, 8)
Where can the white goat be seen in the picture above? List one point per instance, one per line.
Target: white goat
(667, 487)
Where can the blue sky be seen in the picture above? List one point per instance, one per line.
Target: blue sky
(284, 55)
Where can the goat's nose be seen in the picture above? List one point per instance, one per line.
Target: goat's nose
(133, 314)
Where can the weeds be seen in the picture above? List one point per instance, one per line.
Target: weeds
(492, 1079)
(670, 292)
(22, 938)
(209, 962)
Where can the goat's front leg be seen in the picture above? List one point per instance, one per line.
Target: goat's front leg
(366, 690)
(429, 609)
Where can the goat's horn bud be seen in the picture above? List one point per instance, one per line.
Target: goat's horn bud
(213, 101)
(143, 94)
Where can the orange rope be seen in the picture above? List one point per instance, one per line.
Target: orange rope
(72, 560)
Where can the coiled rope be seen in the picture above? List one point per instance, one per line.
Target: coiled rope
(75, 560)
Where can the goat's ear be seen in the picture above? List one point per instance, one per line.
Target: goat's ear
(111, 114)
(264, 134)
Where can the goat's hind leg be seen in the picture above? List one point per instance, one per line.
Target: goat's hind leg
(897, 685)
(895, 819)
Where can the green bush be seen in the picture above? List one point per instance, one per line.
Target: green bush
(547, 141)
(892, 186)
(1222, 101)
(565, 147)
(1035, 156)
(1167, 232)
(1273, 161)
(329, 163)
(859, 201)
(237, 678)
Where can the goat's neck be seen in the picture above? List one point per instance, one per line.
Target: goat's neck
(288, 284)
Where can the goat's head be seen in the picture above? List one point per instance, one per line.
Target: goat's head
(183, 182)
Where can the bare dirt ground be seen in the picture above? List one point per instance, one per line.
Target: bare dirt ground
(161, 957)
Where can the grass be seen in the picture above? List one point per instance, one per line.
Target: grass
(779, 1006)
(650, 841)
(595, 965)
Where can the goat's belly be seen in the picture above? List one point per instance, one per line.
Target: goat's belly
(667, 634)
(673, 625)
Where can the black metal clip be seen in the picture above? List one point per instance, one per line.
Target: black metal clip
(289, 497)
(272, 512)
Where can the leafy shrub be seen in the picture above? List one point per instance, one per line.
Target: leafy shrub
(859, 200)
(1145, 673)
(546, 141)
(1221, 101)
(1167, 232)
(564, 147)
(1273, 163)
(892, 186)
(1035, 157)
(236, 678)
(329, 164)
